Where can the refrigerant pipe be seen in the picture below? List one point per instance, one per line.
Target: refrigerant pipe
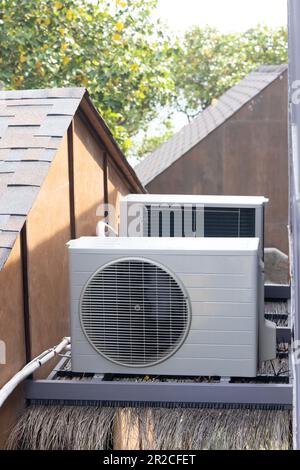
(31, 367)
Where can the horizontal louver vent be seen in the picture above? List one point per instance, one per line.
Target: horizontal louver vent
(229, 222)
(193, 221)
(134, 313)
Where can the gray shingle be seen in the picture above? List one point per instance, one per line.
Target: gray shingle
(29, 174)
(3, 125)
(20, 141)
(13, 105)
(29, 115)
(45, 93)
(32, 125)
(54, 126)
(4, 254)
(54, 142)
(7, 239)
(5, 112)
(5, 173)
(15, 223)
(11, 223)
(18, 200)
(16, 155)
(4, 221)
(39, 154)
(4, 154)
(211, 118)
(64, 107)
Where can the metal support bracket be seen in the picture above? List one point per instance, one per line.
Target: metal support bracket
(277, 292)
(160, 392)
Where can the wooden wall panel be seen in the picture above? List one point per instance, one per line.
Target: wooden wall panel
(12, 333)
(88, 178)
(116, 189)
(48, 231)
(197, 172)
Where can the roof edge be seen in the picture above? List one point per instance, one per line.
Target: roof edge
(147, 181)
(101, 128)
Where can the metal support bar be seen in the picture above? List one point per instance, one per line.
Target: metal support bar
(59, 366)
(277, 292)
(162, 392)
(25, 284)
(70, 136)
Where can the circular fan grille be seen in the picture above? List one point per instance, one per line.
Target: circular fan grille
(134, 312)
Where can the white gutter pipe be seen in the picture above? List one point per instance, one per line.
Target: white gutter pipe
(32, 366)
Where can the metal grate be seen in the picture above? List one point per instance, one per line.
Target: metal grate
(194, 221)
(229, 222)
(134, 312)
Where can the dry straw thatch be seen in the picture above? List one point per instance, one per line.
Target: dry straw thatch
(90, 427)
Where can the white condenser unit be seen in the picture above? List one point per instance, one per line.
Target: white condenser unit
(162, 215)
(165, 306)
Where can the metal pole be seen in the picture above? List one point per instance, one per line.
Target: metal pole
(294, 205)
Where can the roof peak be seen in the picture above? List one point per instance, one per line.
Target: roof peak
(279, 68)
(207, 121)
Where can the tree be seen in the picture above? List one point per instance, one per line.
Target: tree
(149, 142)
(112, 47)
(131, 66)
(208, 62)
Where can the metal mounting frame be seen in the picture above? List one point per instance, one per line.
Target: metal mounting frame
(102, 389)
(60, 388)
(97, 390)
(277, 292)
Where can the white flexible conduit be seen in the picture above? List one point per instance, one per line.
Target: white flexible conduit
(32, 366)
(101, 229)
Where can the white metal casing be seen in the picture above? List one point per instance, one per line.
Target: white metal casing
(225, 289)
(133, 217)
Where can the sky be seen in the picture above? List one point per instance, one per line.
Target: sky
(226, 15)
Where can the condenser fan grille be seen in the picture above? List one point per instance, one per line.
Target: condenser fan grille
(134, 312)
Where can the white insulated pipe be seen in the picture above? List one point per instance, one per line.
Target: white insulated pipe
(31, 367)
(101, 229)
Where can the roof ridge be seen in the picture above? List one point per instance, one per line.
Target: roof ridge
(271, 68)
(36, 93)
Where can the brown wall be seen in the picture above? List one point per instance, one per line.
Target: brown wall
(48, 231)
(247, 155)
(12, 333)
(116, 189)
(48, 228)
(88, 179)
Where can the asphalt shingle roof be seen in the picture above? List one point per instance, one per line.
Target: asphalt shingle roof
(32, 125)
(211, 118)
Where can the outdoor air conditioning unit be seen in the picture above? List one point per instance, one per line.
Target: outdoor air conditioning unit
(165, 306)
(161, 215)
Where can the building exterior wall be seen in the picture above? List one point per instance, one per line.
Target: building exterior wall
(88, 179)
(116, 189)
(12, 334)
(247, 155)
(48, 229)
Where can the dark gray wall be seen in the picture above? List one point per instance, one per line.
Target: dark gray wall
(247, 155)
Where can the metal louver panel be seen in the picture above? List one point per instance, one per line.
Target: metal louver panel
(134, 312)
(195, 221)
(229, 222)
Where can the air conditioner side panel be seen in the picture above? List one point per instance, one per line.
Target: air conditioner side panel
(223, 335)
